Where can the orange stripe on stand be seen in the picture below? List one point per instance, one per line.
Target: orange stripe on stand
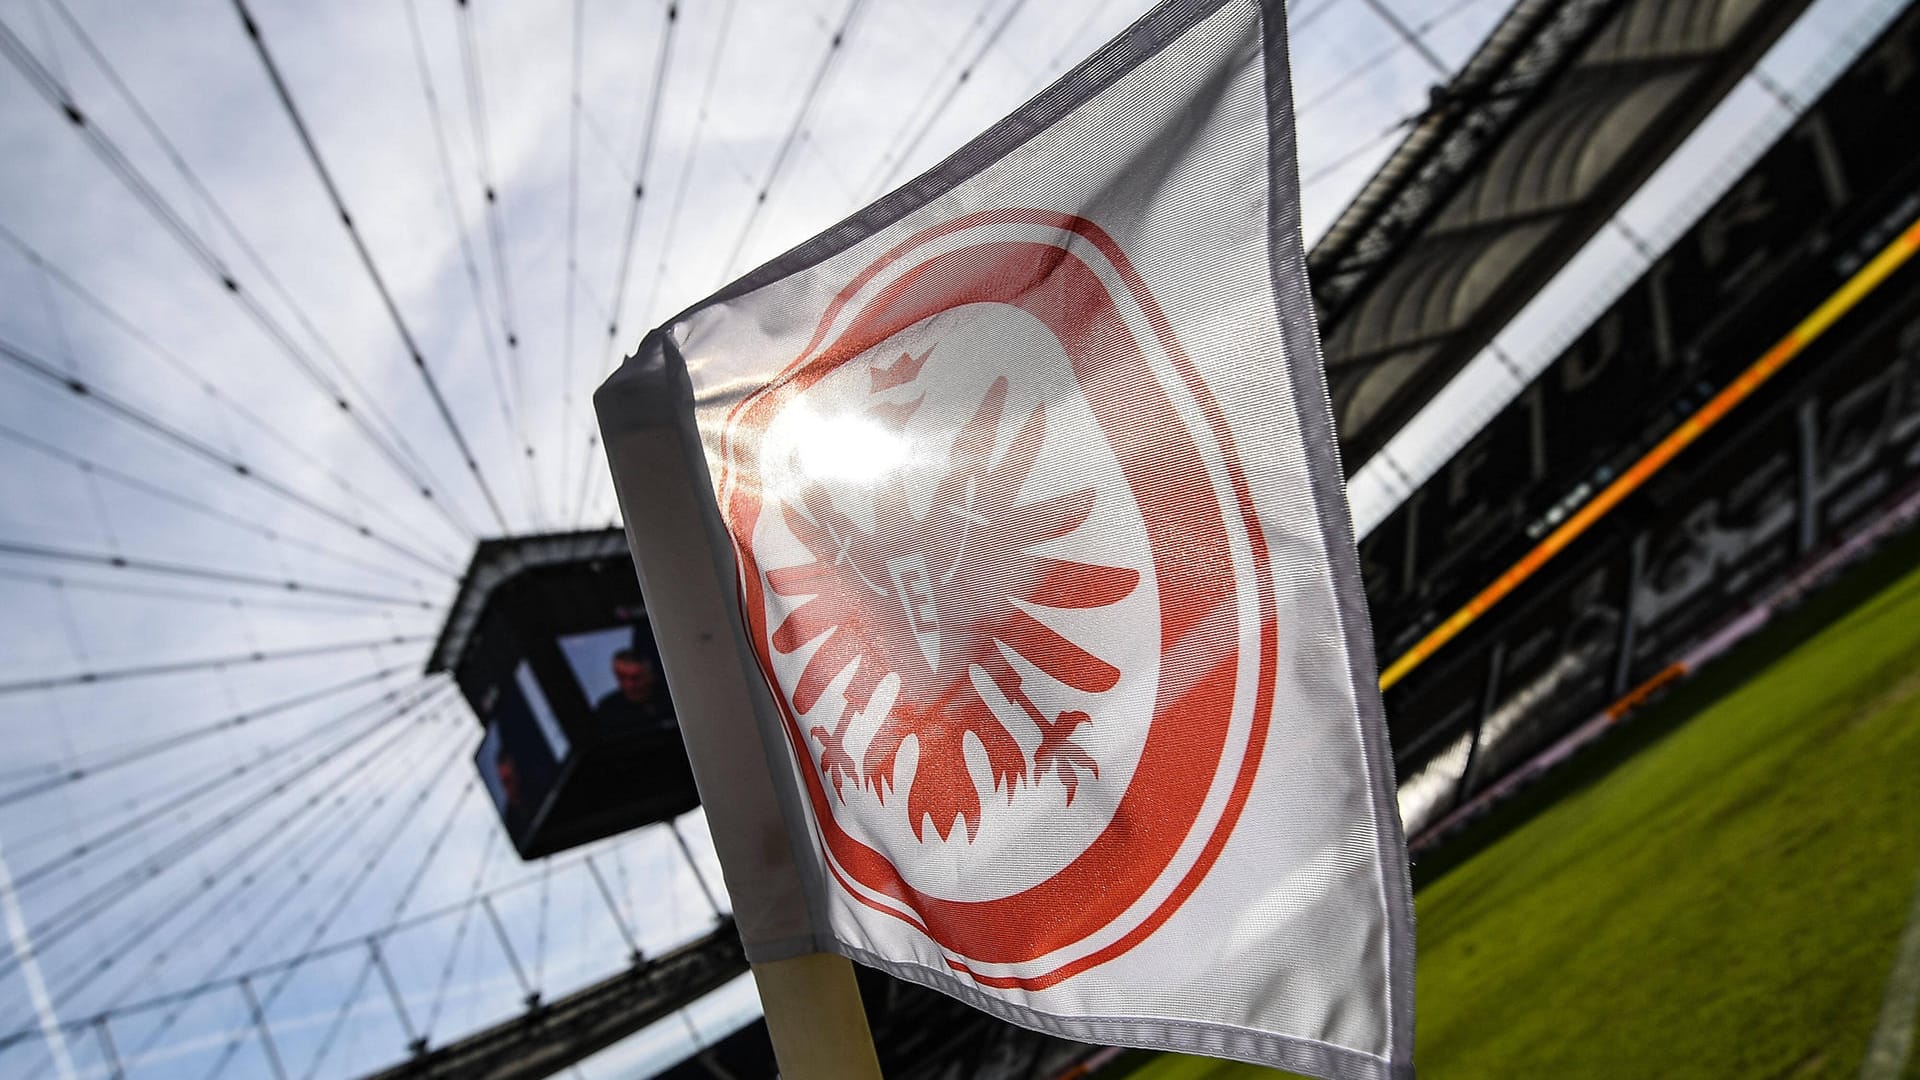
(1639, 694)
(1843, 300)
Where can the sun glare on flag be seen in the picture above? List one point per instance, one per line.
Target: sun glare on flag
(846, 447)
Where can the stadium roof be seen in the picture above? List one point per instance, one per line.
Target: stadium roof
(1517, 162)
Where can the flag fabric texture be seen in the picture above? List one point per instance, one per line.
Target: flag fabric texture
(999, 547)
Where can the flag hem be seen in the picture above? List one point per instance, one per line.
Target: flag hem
(1300, 341)
(1294, 1053)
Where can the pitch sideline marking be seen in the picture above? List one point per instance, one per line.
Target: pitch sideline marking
(1892, 1042)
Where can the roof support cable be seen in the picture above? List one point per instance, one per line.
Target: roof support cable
(294, 857)
(173, 361)
(94, 470)
(24, 550)
(1415, 41)
(959, 83)
(205, 663)
(460, 933)
(346, 895)
(387, 300)
(574, 109)
(377, 962)
(197, 248)
(833, 53)
(129, 755)
(450, 191)
(104, 897)
(87, 973)
(474, 78)
(304, 880)
(160, 429)
(219, 214)
(662, 63)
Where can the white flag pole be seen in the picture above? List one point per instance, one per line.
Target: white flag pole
(811, 1001)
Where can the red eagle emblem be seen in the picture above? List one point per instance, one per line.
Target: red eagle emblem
(931, 598)
(931, 546)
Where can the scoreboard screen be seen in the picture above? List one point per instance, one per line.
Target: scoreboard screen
(580, 739)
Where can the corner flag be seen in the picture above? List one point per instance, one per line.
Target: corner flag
(1000, 553)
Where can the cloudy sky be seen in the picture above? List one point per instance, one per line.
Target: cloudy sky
(156, 416)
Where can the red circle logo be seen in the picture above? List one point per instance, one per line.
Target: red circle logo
(1000, 566)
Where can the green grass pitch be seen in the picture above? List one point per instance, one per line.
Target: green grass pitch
(1726, 902)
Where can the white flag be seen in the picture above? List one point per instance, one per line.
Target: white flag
(1000, 554)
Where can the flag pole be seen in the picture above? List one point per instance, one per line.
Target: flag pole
(819, 1030)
